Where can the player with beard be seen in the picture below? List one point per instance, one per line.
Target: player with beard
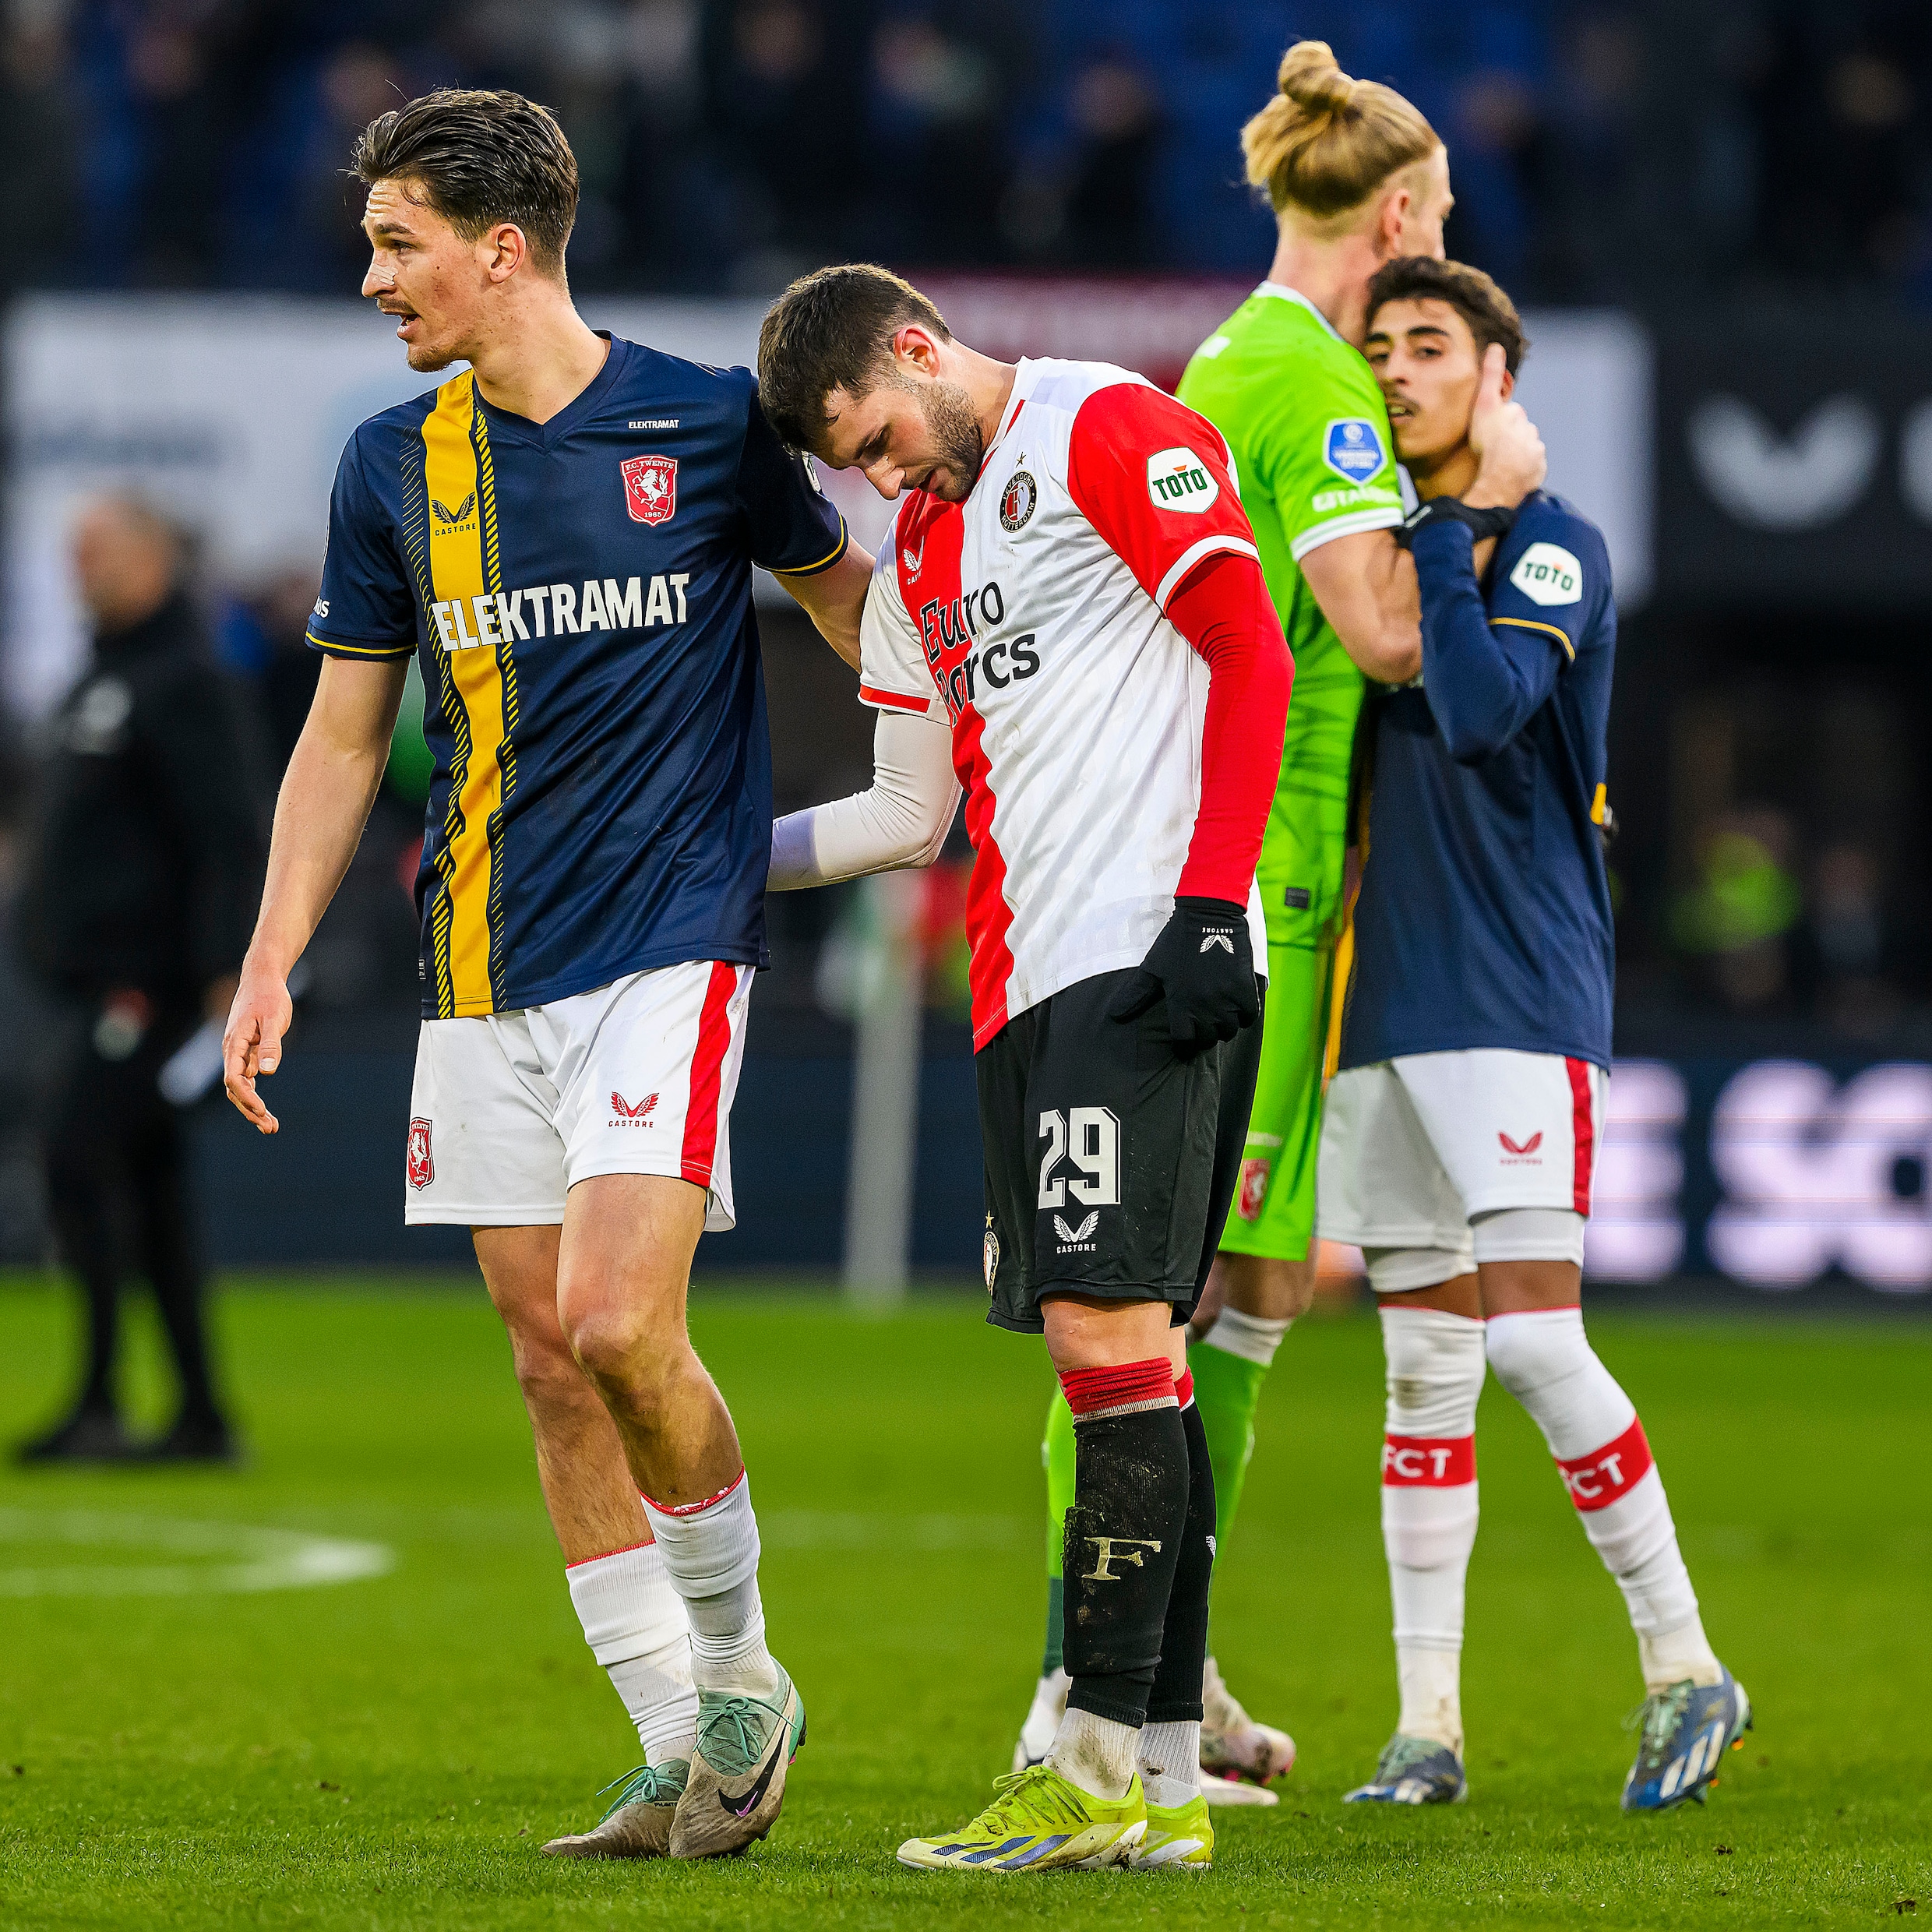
(1067, 621)
(1354, 175)
(1461, 1139)
(563, 535)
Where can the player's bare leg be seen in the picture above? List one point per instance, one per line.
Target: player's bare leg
(624, 1264)
(623, 1270)
(633, 1618)
(593, 1503)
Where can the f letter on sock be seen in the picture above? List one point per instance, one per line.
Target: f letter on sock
(1124, 1533)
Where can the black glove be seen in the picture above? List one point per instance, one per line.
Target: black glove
(1486, 522)
(1202, 962)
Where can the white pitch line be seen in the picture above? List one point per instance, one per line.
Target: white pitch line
(258, 1559)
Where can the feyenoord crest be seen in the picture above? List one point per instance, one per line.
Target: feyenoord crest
(1016, 505)
(650, 489)
(990, 1254)
(422, 1169)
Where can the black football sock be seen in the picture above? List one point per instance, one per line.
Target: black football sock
(1175, 1697)
(1124, 1531)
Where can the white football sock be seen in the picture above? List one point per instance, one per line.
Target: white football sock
(635, 1628)
(1544, 1359)
(1169, 1759)
(1430, 1507)
(1095, 1753)
(710, 1552)
(1253, 1338)
(1043, 1716)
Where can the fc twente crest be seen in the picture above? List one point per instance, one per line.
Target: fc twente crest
(650, 489)
(422, 1167)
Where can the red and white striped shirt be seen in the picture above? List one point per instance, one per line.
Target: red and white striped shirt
(1034, 618)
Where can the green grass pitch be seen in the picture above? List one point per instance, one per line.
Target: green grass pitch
(390, 1752)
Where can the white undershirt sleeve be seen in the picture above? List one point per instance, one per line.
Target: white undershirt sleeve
(903, 820)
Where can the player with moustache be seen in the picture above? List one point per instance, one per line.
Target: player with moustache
(562, 534)
(1068, 623)
(1461, 1132)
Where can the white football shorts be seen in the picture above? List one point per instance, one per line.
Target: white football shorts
(1414, 1149)
(510, 1110)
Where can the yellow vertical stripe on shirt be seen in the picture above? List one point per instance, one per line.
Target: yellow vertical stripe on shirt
(457, 575)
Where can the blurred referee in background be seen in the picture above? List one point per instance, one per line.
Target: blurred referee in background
(142, 869)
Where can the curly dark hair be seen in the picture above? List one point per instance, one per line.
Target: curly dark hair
(1490, 314)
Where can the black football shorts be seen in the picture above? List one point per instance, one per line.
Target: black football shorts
(1111, 1163)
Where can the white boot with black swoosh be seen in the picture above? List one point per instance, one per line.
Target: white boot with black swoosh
(736, 1787)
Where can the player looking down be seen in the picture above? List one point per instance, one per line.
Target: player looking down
(1356, 176)
(1462, 1128)
(1067, 620)
(562, 535)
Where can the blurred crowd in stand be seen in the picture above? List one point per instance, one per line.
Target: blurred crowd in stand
(1618, 151)
(1605, 150)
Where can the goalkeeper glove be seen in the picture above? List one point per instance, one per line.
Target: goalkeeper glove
(1203, 963)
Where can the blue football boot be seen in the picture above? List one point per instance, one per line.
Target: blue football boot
(1414, 1771)
(1682, 1733)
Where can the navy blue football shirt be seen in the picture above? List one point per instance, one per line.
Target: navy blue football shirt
(1484, 917)
(579, 593)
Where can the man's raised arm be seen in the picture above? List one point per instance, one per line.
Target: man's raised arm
(1365, 582)
(327, 793)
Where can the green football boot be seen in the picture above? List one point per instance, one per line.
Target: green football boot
(1179, 1838)
(638, 1823)
(736, 1787)
(1039, 1821)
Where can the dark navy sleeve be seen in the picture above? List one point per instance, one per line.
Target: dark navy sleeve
(366, 608)
(793, 527)
(1486, 672)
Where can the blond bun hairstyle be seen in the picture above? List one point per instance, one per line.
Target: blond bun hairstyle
(1326, 142)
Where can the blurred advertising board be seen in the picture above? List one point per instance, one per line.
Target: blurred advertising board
(1773, 1173)
(1777, 1176)
(1790, 470)
(230, 413)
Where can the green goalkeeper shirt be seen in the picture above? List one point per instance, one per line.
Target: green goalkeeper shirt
(1314, 460)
